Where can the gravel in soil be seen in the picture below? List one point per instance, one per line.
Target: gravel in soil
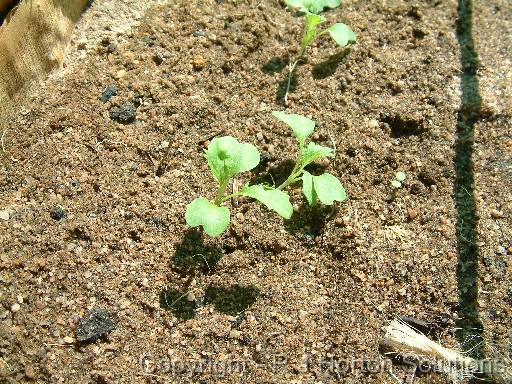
(275, 298)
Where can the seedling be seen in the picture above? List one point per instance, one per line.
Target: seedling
(325, 187)
(341, 33)
(227, 158)
(398, 180)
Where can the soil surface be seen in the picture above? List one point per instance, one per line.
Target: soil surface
(98, 168)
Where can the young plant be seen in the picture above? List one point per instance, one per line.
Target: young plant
(227, 158)
(398, 180)
(325, 187)
(341, 33)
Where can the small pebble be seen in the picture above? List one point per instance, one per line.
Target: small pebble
(123, 114)
(82, 43)
(198, 62)
(29, 372)
(259, 136)
(108, 93)
(57, 213)
(234, 334)
(145, 282)
(158, 58)
(495, 214)
(412, 214)
(240, 216)
(4, 214)
(68, 340)
(191, 297)
(120, 74)
(15, 307)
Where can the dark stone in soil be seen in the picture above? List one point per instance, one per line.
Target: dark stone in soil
(108, 93)
(123, 114)
(57, 213)
(158, 58)
(95, 324)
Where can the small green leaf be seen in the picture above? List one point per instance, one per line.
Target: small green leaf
(342, 34)
(313, 6)
(312, 21)
(329, 189)
(308, 189)
(273, 198)
(396, 183)
(314, 151)
(227, 157)
(400, 176)
(213, 218)
(301, 126)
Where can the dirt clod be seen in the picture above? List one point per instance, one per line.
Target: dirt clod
(95, 324)
(123, 114)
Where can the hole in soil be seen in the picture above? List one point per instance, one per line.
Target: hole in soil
(274, 65)
(231, 300)
(401, 126)
(176, 301)
(193, 255)
(329, 66)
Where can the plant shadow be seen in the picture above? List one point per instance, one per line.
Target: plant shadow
(309, 221)
(176, 301)
(232, 300)
(273, 66)
(274, 175)
(327, 67)
(192, 255)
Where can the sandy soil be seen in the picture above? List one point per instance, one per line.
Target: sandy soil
(93, 209)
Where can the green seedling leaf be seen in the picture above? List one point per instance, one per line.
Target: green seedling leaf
(313, 6)
(301, 126)
(400, 176)
(312, 21)
(395, 183)
(308, 189)
(227, 157)
(328, 189)
(342, 34)
(273, 198)
(314, 151)
(213, 218)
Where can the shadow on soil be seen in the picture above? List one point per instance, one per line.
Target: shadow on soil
(309, 222)
(178, 303)
(328, 67)
(193, 256)
(470, 326)
(274, 65)
(232, 300)
(274, 175)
